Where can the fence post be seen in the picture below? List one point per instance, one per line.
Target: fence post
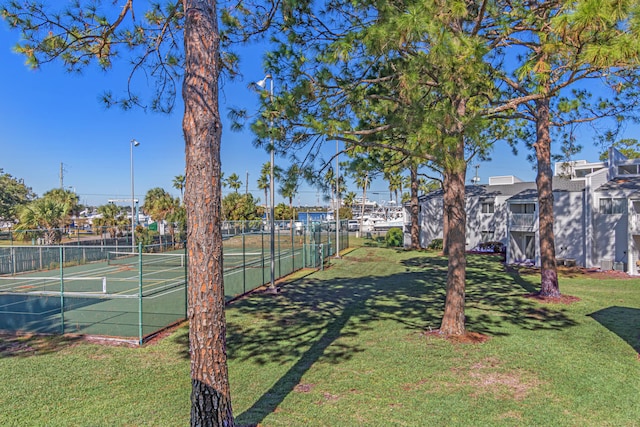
(244, 262)
(61, 292)
(279, 256)
(304, 247)
(13, 259)
(140, 292)
(293, 248)
(262, 257)
(186, 282)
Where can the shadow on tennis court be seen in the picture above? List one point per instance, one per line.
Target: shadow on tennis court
(35, 314)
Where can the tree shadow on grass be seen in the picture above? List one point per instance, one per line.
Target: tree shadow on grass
(622, 321)
(26, 346)
(302, 325)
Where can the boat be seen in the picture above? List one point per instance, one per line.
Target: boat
(383, 218)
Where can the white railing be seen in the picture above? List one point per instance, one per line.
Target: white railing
(634, 223)
(522, 221)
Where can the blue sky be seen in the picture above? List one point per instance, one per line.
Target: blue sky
(49, 117)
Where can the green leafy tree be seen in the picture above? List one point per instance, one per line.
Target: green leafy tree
(13, 194)
(178, 184)
(349, 199)
(414, 79)
(394, 178)
(562, 45)
(283, 212)
(239, 207)
(42, 217)
(111, 219)
(68, 199)
(345, 213)
(360, 171)
(630, 147)
(161, 206)
(234, 182)
(178, 45)
(289, 187)
(178, 220)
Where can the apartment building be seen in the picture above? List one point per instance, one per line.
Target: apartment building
(596, 215)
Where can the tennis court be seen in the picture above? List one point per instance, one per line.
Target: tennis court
(125, 295)
(114, 292)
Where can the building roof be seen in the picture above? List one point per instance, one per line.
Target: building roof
(630, 184)
(559, 184)
(515, 191)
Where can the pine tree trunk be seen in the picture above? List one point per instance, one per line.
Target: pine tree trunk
(210, 395)
(453, 320)
(548, 272)
(415, 209)
(445, 216)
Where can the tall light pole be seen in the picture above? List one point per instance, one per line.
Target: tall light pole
(133, 143)
(337, 202)
(272, 287)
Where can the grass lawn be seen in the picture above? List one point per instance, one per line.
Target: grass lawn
(347, 346)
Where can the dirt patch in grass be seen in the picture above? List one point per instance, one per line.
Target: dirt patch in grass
(367, 259)
(414, 386)
(513, 415)
(487, 377)
(572, 272)
(303, 388)
(467, 338)
(500, 385)
(562, 299)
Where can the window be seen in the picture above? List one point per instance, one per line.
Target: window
(487, 207)
(613, 206)
(487, 235)
(523, 208)
(628, 170)
(581, 173)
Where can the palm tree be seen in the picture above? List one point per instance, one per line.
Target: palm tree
(395, 184)
(43, 214)
(289, 187)
(234, 182)
(264, 181)
(362, 181)
(157, 203)
(161, 207)
(350, 198)
(110, 219)
(178, 184)
(68, 199)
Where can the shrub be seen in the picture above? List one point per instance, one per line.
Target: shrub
(394, 237)
(436, 244)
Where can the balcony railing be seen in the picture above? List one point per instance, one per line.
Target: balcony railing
(522, 222)
(634, 224)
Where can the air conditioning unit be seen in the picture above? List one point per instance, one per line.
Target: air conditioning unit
(619, 266)
(606, 264)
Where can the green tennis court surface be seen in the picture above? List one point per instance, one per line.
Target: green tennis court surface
(112, 291)
(126, 296)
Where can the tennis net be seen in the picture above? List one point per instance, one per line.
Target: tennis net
(149, 260)
(52, 285)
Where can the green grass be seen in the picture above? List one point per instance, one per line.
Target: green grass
(346, 346)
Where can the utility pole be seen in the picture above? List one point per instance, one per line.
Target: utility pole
(62, 171)
(476, 179)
